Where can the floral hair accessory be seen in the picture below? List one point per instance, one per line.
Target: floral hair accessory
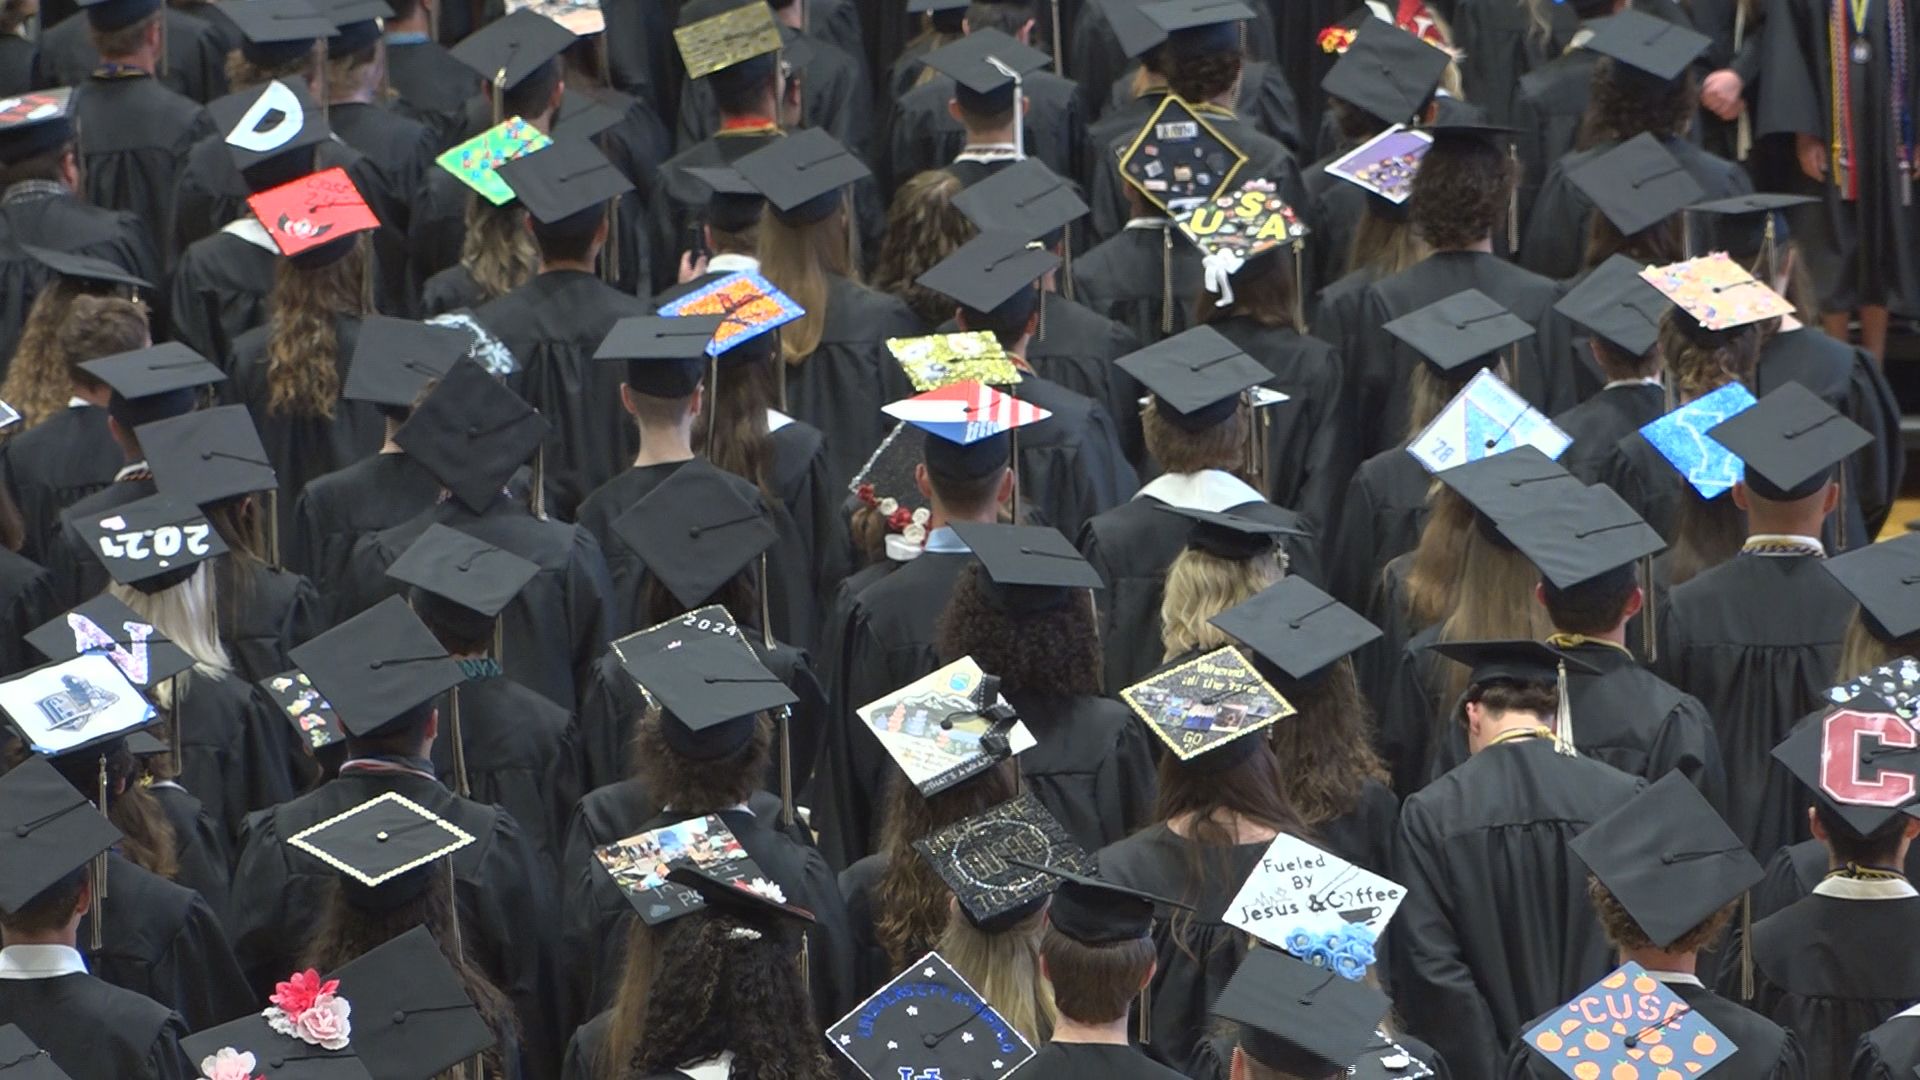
(1347, 952)
(228, 1064)
(308, 1009)
(1335, 39)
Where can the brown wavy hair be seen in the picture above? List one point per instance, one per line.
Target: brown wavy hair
(802, 260)
(1267, 296)
(922, 228)
(910, 901)
(498, 252)
(1056, 651)
(1700, 361)
(1624, 102)
(1460, 194)
(699, 787)
(243, 73)
(1625, 932)
(1707, 532)
(1383, 247)
(40, 378)
(1433, 569)
(303, 344)
(1201, 77)
(1656, 245)
(1222, 446)
(739, 393)
(1325, 751)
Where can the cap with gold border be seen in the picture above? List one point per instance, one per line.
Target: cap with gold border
(383, 849)
(377, 667)
(1203, 710)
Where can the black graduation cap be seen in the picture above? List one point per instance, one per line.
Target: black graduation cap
(1199, 26)
(1748, 224)
(106, 625)
(47, 831)
(1579, 535)
(356, 24)
(207, 456)
(471, 433)
(473, 579)
(801, 174)
(988, 860)
(1637, 184)
(734, 205)
(1468, 327)
(395, 359)
(1297, 628)
(154, 371)
(1514, 661)
(926, 1022)
(265, 122)
(153, 543)
(1509, 484)
(1299, 1018)
(1872, 796)
(70, 264)
(923, 7)
(1137, 33)
(1096, 912)
(107, 15)
(989, 270)
(1790, 440)
(1228, 535)
(665, 356)
(1615, 303)
(1668, 857)
(412, 1019)
(1885, 579)
(1387, 71)
(1029, 567)
(1467, 125)
(710, 691)
(695, 531)
(508, 50)
(21, 1059)
(381, 839)
(1199, 374)
(1025, 198)
(980, 84)
(274, 32)
(275, 1056)
(735, 897)
(565, 180)
(376, 666)
(1659, 47)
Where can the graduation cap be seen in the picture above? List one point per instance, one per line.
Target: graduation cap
(381, 839)
(1228, 535)
(1681, 438)
(471, 433)
(711, 693)
(1637, 184)
(1026, 198)
(34, 123)
(753, 899)
(1659, 47)
(377, 666)
(1199, 26)
(1485, 419)
(968, 424)
(208, 456)
(109, 15)
(476, 162)
(21, 1059)
(1860, 764)
(395, 359)
(71, 264)
(1297, 628)
(927, 1021)
(946, 726)
(315, 210)
(1507, 485)
(696, 530)
(1717, 292)
(641, 865)
(665, 357)
(565, 186)
(1198, 376)
(1653, 1026)
(73, 705)
(1468, 127)
(412, 1018)
(152, 543)
(1468, 327)
(1299, 1018)
(733, 204)
(1384, 166)
(506, 51)
(986, 66)
(580, 115)
(1096, 912)
(1179, 159)
(1511, 661)
(1668, 858)
(153, 383)
(1893, 686)
(1615, 304)
(107, 626)
(928, 7)
(1751, 225)
(1581, 535)
(941, 360)
(1790, 441)
(988, 860)
(47, 831)
(1206, 706)
(356, 25)
(1386, 72)
(993, 273)
(1237, 226)
(277, 32)
(715, 37)
(251, 1047)
(316, 722)
(1136, 33)
(1029, 568)
(1316, 905)
(749, 306)
(461, 582)
(265, 122)
(802, 174)
(1885, 579)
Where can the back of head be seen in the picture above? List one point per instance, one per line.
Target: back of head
(1592, 607)
(1222, 446)
(1460, 192)
(1700, 360)
(1009, 17)
(1201, 585)
(910, 900)
(1878, 849)
(1009, 323)
(1052, 651)
(64, 327)
(1626, 101)
(498, 251)
(698, 786)
(923, 227)
(533, 95)
(1095, 984)
(122, 41)
(801, 259)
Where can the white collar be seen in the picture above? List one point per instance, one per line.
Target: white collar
(130, 469)
(714, 1068)
(1841, 888)
(40, 962)
(730, 263)
(77, 402)
(1209, 489)
(777, 420)
(249, 229)
(994, 151)
(1678, 978)
(944, 541)
(1915, 1011)
(1148, 223)
(1811, 542)
(1650, 380)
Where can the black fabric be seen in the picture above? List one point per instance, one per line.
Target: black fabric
(1554, 243)
(1093, 766)
(219, 292)
(62, 223)
(925, 136)
(77, 572)
(1094, 1061)
(134, 137)
(1124, 278)
(264, 613)
(841, 386)
(834, 95)
(1305, 440)
(196, 61)
(431, 87)
(94, 1030)
(237, 751)
(53, 465)
(517, 753)
(164, 941)
(26, 601)
(1599, 423)
(1888, 1052)
(398, 152)
(206, 863)
(334, 511)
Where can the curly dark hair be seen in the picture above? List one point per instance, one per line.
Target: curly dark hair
(1625, 932)
(1056, 651)
(1325, 752)
(910, 901)
(1200, 77)
(1460, 192)
(922, 228)
(698, 787)
(1656, 245)
(1626, 101)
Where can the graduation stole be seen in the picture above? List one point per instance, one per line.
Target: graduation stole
(1866, 873)
(1849, 43)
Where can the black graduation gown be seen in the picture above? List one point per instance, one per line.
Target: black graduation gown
(336, 510)
(1765, 1050)
(1094, 1061)
(598, 916)
(1265, 99)
(840, 387)
(134, 137)
(1125, 278)
(26, 601)
(1132, 546)
(1600, 422)
(1303, 436)
(1822, 970)
(680, 202)
(1848, 379)
(1548, 111)
(219, 290)
(1363, 835)
(552, 632)
(1213, 1059)
(1122, 121)
(1381, 366)
(77, 572)
(264, 613)
(1092, 768)
(1070, 464)
(1095, 58)
(94, 1030)
(834, 95)
(16, 64)
(1198, 951)
(452, 289)
(924, 135)
(1888, 1052)
(1336, 208)
(553, 324)
(1496, 927)
(517, 754)
(398, 151)
(1793, 872)
(1499, 43)
(206, 864)
(430, 86)
(196, 60)
(1267, 158)
(48, 468)
(1860, 251)
(1555, 241)
(1756, 639)
(505, 895)
(1381, 513)
(163, 941)
(62, 222)
(872, 967)
(238, 753)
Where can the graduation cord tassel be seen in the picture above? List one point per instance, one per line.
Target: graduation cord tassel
(1563, 718)
(1746, 946)
(96, 909)
(458, 743)
(1166, 277)
(1649, 633)
(1742, 124)
(1019, 105)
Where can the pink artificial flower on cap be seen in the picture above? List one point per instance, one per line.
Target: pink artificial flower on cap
(307, 1009)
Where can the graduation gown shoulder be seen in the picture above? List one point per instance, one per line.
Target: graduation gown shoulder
(1304, 437)
(1765, 1050)
(1071, 465)
(1120, 278)
(1548, 109)
(134, 138)
(841, 386)
(1888, 1052)
(264, 613)
(803, 481)
(1076, 348)
(925, 136)
(64, 223)
(333, 511)
(857, 883)
(1381, 514)
(1846, 378)
(1093, 767)
(77, 572)
(206, 863)
(161, 940)
(195, 62)
(49, 467)
(1364, 834)
(1599, 423)
(26, 601)
(1213, 1059)
(1793, 872)
(219, 292)
(516, 744)
(94, 1030)
(1092, 1061)
(237, 751)
(430, 86)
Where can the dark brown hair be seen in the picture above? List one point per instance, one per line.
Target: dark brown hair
(1625, 932)
(1507, 696)
(1656, 245)
(1325, 752)
(1594, 606)
(1625, 102)
(113, 44)
(739, 393)
(1265, 293)
(1056, 651)
(910, 902)
(1222, 446)
(699, 787)
(1095, 984)
(1459, 194)
(1200, 77)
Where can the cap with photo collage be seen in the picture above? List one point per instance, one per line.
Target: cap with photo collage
(1092, 911)
(1298, 1018)
(1790, 442)
(22, 1059)
(968, 425)
(993, 274)
(383, 849)
(35, 123)
(1179, 159)
(696, 530)
(1715, 293)
(82, 267)
(1029, 568)
(1297, 629)
(504, 52)
(377, 667)
(1751, 226)
(1196, 27)
(928, 1022)
(1884, 773)
(1227, 535)
(985, 65)
(412, 1018)
(1661, 48)
(719, 35)
(207, 457)
(81, 706)
(1508, 485)
(1617, 306)
(802, 174)
(988, 860)
(1196, 377)
(275, 33)
(1386, 72)
(395, 359)
(109, 15)
(1467, 328)
(460, 583)
(711, 694)
(313, 220)
(567, 186)
(1637, 184)
(1203, 710)
(1577, 536)
(263, 123)
(472, 432)
(1885, 579)
(666, 357)
(48, 830)
(153, 383)
(251, 1047)
(151, 544)
(739, 898)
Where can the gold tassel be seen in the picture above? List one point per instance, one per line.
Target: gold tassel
(610, 254)
(806, 961)
(1166, 279)
(780, 365)
(537, 497)
(1513, 202)
(1299, 290)
(1040, 323)
(499, 96)
(453, 909)
(1066, 261)
(273, 527)
(1563, 718)
(1059, 66)
(1767, 248)
(457, 741)
(1146, 1015)
(1743, 124)
(96, 909)
(713, 414)
(1649, 620)
(1746, 947)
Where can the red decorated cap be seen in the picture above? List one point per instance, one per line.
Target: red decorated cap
(316, 209)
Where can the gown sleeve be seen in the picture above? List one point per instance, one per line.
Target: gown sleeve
(1868, 1063)
(1686, 743)
(1881, 465)
(165, 1058)
(588, 585)
(1791, 98)
(208, 986)
(514, 935)
(1437, 989)
(257, 912)
(1555, 236)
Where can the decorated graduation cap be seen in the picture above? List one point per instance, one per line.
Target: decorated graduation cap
(940, 360)
(1384, 167)
(262, 123)
(309, 218)
(1893, 686)
(886, 484)
(153, 383)
(1790, 442)
(946, 726)
(277, 32)
(1093, 911)
(476, 162)
(153, 543)
(22, 1059)
(665, 357)
(108, 626)
(1316, 905)
(1202, 710)
(1752, 227)
(1668, 858)
(506, 51)
(1510, 484)
(926, 1022)
(716, 35)
(1634, 1019)
(1239, 225)
(1658, 47)
(1196, 377)
(1520, 661)
(1468, 327)
(1449, 132)
(733, 204)
(1885, 579)
(1616, 305)
(1485, 419)
(1861, 763)
(414, 1019)
(1681, 438)
(254, 1047)
(992, 274)
(1637, 184)
(83, 267)
(986, 67)
(696, 530)
(395, 359)
(461, 583)
(382, 849)
(567, 186)
(34, 123)
(749, 306)
(988, 860)
(48, 830)
(711, 693)
(471, 433)
(109, 15)
(641, 866)
(1299, 1018)
(1029, 568)
(1581, 535)
(802, 174)
(969, 426)
(1025, 198)
(1179, 159)
(1386, 72)
(377, 667)
(207, 457)
(1227, 535)
(1296, 628)
(757, 900)
(1717, 293)
(311, 716)
(74, 705)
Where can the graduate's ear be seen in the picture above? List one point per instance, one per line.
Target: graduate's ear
(921, 483)
(553, 100)
(697, 398)
(432, 729)
(953, 110)
(1025, 35)
(82, 903)
(1636, 602)
(1829, 499)
(1911, 828)
(1740, 497)
(626, 399)
(1153, 968)
(1816, 826)
(1237, 1068)
(1007, 481)
(960, 319)
(1540, 593)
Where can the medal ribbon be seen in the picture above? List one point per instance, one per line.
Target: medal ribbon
(1847, 45)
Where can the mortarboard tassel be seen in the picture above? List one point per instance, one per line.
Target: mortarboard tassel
(610, 254)
(806, 961)
(1840, 519)
(1013, 462)
(1066, 261)
(173, 717)
(1743, 124)
(499, 95)
(1513, 202)
(453, 909)
(1299, 288)
(1146, 1015)
(713, 417)
(780, 365)
(499, 642)
(1059, 67)
(1649, 635)
(537, 497)
(1766, 244)
(1746, 947)
(273, 527)
(1563, 718)
(1166, 278)
(457, 741)
(96, 910)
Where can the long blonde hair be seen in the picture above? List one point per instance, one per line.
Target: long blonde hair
(1004, 967)
(498, 251)
(1494, 601)
(1201, 585)
(186, 614)
(800, 259)
(1383, 247)
(303, 345)
(1433, 571)
(1863, 649)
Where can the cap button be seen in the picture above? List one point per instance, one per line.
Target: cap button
(473, 430)
(276, 1062)
(399, 1017)
(381, 836)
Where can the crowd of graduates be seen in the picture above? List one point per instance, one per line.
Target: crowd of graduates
(801, 539)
